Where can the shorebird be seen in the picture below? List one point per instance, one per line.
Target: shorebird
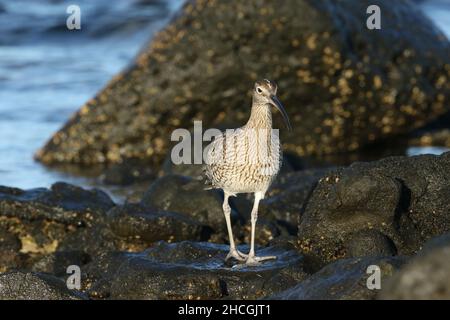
(246, 160)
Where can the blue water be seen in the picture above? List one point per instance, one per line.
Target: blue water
(47, 72)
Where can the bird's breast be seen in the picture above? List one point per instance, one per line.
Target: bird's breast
(245, 160)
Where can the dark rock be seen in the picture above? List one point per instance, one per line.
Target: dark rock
(92, 240)
(135, 222)
(343, 280)
(192, 270)
(321, 54)
(187, 196)
(426, 276)
(278, 213)
(287, 196)
(64, 203)
(10, 245)
(34, 286)
(435, 133)
(8, 241)
(56, 263)
(436, 242)
(129, 172)
(385, 207)
(369, 243)
(42, 221)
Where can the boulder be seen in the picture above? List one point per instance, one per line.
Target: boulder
(345, 279)
(343, 85)
(138, 223)
(426, 276)
(192, 270)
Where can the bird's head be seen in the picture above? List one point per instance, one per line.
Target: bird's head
(265, 92)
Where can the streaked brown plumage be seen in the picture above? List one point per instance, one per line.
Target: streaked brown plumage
(247, 159)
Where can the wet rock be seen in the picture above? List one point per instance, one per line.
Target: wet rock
(435, 138)
(34, 286)
(187, 196)
(57, 263)
(320, 53)
(287, 196)
(426, 276)
(193, 270)
(369, 243)
(127, 173)
(39, 222)
(343, 280)
(138, 223)
(385, 207)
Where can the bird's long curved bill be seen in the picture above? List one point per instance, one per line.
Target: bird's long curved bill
(277, 104)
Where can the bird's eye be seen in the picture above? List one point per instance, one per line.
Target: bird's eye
(258, 90)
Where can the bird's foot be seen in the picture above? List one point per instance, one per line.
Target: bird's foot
(236, 254)
(254, 260)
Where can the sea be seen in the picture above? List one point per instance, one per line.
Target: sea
(48, 72)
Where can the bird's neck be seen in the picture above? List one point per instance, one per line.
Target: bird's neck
(260, 117)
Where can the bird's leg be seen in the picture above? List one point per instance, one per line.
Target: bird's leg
(234, 253)
(252, 259)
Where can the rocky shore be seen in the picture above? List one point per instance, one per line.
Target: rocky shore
(326, 231)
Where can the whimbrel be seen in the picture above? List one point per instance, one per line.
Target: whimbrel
(246, 160)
